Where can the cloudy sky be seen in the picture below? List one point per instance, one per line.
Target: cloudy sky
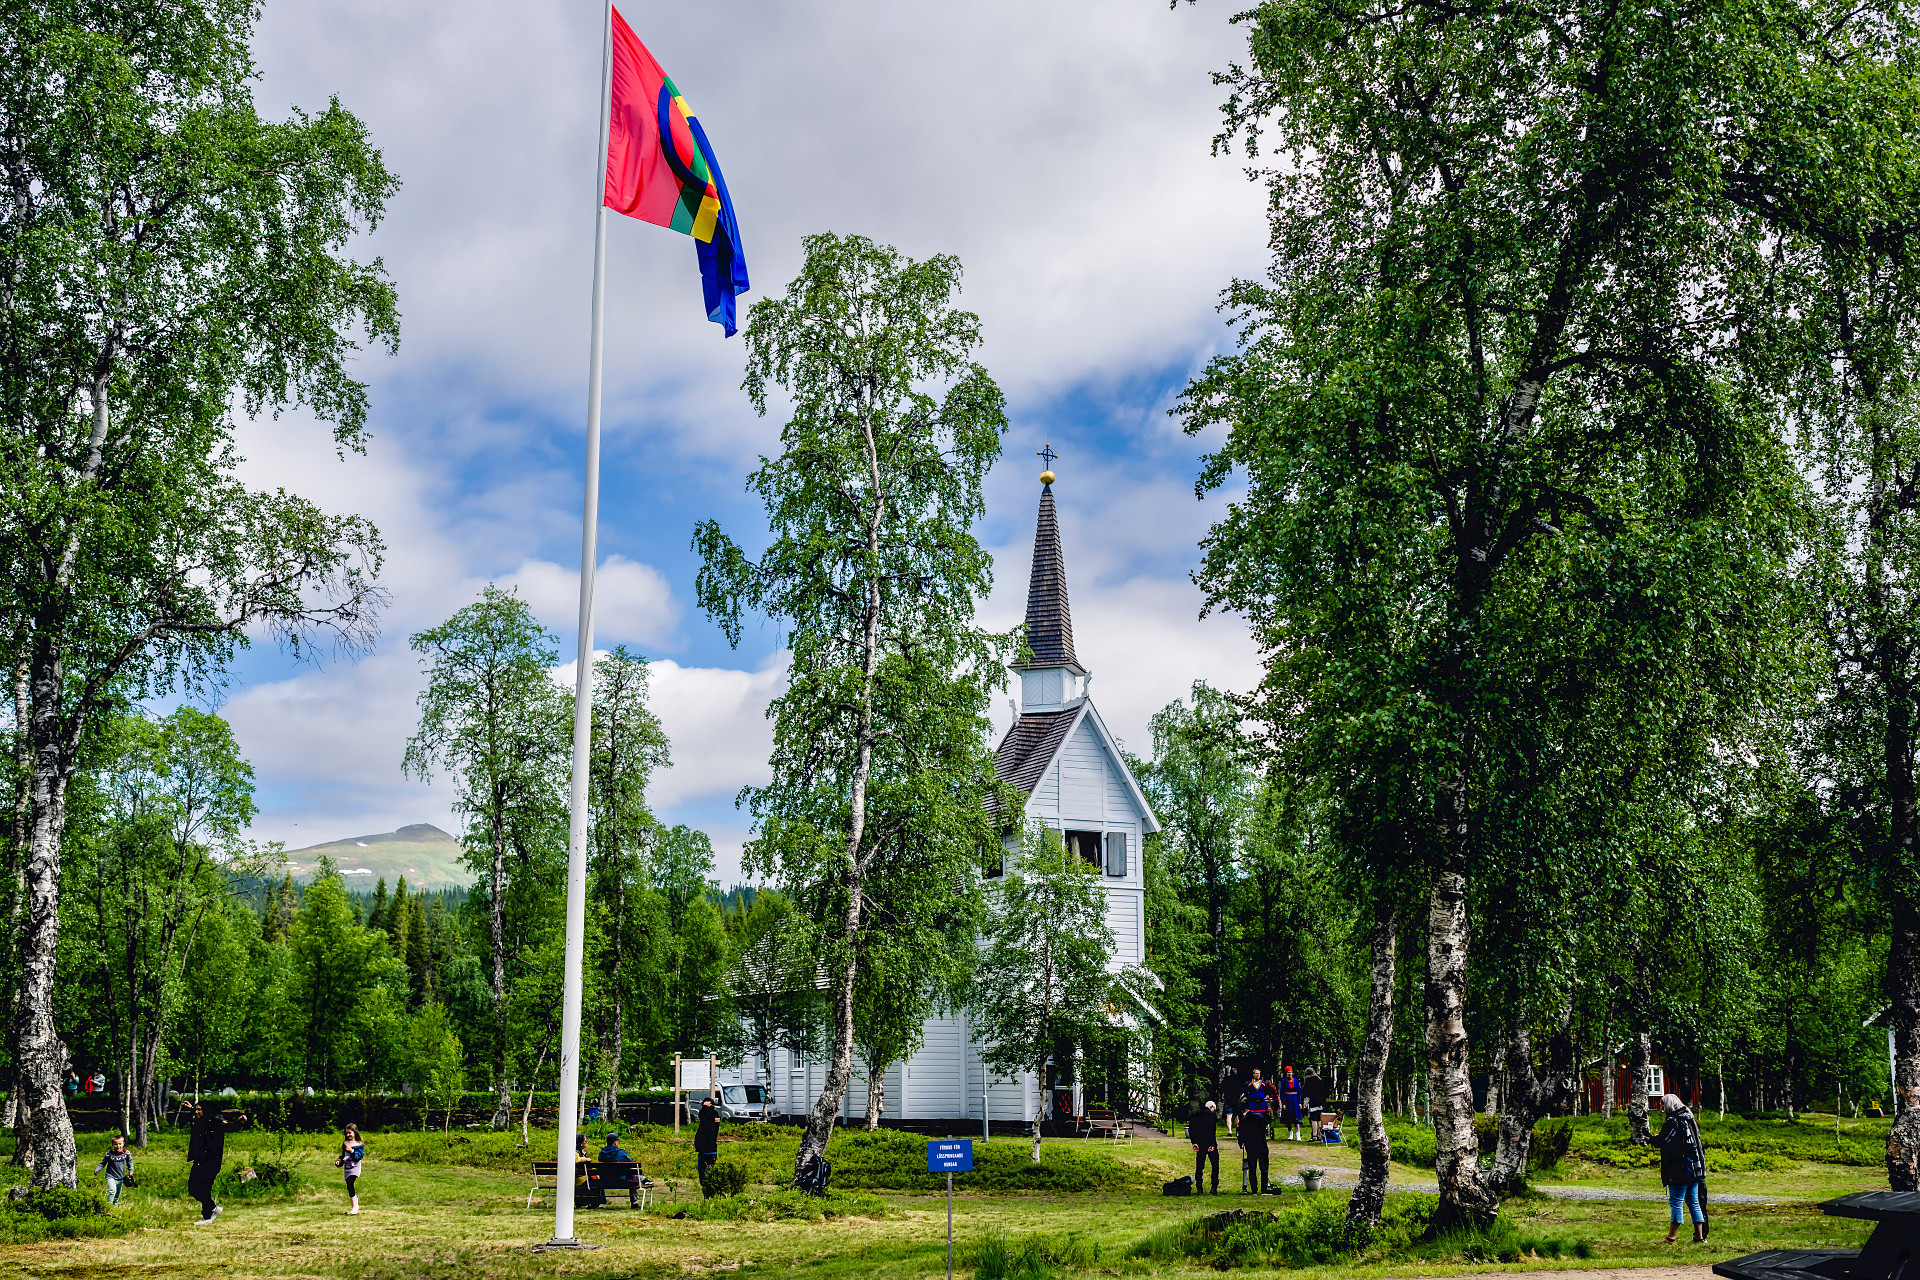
(1060, 149)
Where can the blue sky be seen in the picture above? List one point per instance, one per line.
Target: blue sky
(1062, 150)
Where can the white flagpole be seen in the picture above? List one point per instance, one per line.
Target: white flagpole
(583, 685)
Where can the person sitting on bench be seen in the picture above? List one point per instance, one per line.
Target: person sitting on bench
(614, 1153)
(587, 1191)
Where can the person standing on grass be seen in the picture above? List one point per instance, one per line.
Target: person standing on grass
(206, 1149)
(1683, 1166)
(353, 1153)
(1255, 1112)
(1290, 1102)
(706, 1141)
(118, 1165)
(1203, 1135)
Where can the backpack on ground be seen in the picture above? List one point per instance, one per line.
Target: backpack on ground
(1178, 1187)
(813, 1178)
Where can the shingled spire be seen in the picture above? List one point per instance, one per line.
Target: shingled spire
(1049, 624)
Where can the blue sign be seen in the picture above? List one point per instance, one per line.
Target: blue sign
(950, 1157)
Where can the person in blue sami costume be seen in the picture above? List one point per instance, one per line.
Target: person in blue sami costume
(1291, 1103)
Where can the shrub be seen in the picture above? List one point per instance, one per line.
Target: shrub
(1550, 1145)
(890, 1160)
(258, 1180)
(63, 1202)
(726, 1178)
(1412, 1144)
(1313, 1235)
(1487, 1129)
(1036, 1257)
(782, 1206)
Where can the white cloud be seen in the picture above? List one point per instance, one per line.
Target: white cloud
(1060, 150)
(326, 745)
(631, 601)
(717, 721)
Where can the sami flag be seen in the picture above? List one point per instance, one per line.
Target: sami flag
(661, 169)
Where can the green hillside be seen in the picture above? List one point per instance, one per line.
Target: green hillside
(427, 856)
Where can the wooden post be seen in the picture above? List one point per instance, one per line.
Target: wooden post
(676, 1093)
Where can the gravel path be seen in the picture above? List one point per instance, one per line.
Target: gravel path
(1699, 1272)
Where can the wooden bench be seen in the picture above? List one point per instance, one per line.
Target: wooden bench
(1885, 1257)
(1102, 1121)
(614, 1175)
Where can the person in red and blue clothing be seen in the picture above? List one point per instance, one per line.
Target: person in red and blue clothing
(1291, 1103)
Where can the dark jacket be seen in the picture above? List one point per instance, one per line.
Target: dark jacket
(1682, 1158)
(612, 1154)
(707, 1137)
(118, 1164)
(1203, 1128)
(207, 1143)
(1253, 1129)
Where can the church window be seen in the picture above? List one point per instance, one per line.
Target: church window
(1085, 845)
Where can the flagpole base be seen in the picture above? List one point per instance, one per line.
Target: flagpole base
(569, 1243)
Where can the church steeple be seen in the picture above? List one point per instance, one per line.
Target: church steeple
(1051, 673)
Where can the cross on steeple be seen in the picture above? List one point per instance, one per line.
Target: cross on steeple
(1046, 451)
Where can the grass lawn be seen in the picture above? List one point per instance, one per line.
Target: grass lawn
(439, 1209)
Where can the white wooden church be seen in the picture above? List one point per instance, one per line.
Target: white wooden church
(1061, 756)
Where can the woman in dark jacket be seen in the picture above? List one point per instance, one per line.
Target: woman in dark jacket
(1683, 1166)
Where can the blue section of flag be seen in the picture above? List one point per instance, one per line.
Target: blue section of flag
(723, 260)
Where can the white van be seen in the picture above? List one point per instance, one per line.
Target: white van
(743, 1102)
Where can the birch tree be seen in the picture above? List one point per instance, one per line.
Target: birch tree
(493, 717)
(881, 773)
(1485, 348)
(167, 257)
(628, 746)
(1043, 989)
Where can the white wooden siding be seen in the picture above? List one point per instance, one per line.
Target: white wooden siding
(1123, 918)
(1083, 775)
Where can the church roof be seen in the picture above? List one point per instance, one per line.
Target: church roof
(1049, 624)
(1030, 745)
(1036, 737)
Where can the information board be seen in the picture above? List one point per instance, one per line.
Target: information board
(954, 1156)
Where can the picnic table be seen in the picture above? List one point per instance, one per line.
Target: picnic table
(1885, 1256)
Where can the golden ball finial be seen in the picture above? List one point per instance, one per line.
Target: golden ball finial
(1046, 477)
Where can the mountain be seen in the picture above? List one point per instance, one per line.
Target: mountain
(427, 856)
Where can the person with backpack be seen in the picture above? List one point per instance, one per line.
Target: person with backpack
(353, 1154)
(1203, 1135)
(118, 1164)
(206, 1150)
(1683, 1167)
(706, 1142)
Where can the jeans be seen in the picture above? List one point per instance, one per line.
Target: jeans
(1200, 1158)
(113, 1189)
(1689, 1194)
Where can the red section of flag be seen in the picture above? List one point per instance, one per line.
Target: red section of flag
(641, 180)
